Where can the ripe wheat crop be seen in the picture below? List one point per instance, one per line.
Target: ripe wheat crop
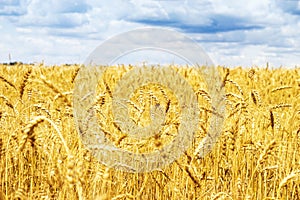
(256, 157)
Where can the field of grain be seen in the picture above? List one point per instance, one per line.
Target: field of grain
(256, 157)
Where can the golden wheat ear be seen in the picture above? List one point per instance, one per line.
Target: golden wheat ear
(25, 80)
(8, 82)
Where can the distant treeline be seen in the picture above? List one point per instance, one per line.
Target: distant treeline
(21, 63)
(15, 63)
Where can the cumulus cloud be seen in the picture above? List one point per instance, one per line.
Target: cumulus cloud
(54, 14)
(290, 6)
(12, 7)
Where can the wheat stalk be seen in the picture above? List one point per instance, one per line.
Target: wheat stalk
(60, 94)
(272, 119)
(251, 73)
(188, 170)
(2, 150)
(75, 74)
(286, 179)
(281, 88)
(25, 80)
(29, 133)
(236, 85)
(7, 101)
(39, 119)
(225, 77)
(204, 94)
(256, 97)
(283, 105)
(267, 151)
(8, 82)
(234, 95)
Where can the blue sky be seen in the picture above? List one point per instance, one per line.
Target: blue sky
(233, 33)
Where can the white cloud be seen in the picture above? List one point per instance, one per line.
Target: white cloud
(232, 32)
(13, 7)
(57, 14)
(148, 9)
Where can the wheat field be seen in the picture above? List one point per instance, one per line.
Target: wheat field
(256, 156)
